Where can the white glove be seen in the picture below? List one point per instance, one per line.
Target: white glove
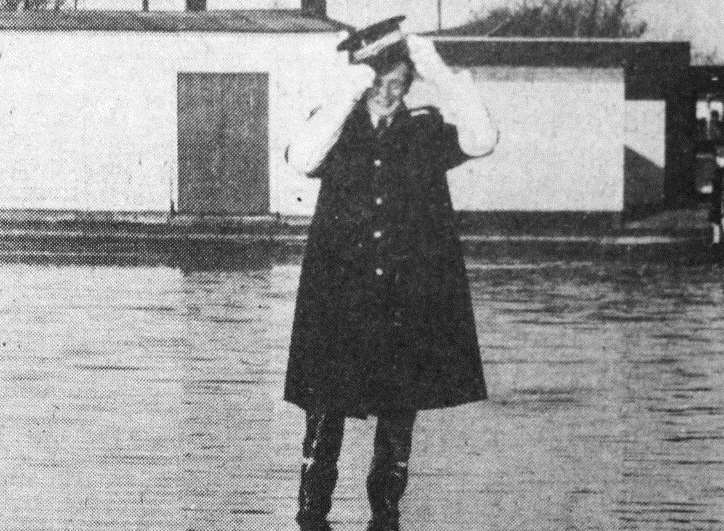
(322, 129)
(355, 78)
(428, 63)
(459, 100)
(359, 78)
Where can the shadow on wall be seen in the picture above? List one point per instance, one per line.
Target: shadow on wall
(643, 181)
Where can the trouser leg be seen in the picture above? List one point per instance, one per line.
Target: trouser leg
(321, 448)
(387, 478)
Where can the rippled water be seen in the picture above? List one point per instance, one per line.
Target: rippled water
(149, 398)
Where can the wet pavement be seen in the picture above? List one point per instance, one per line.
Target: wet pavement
(139, 397)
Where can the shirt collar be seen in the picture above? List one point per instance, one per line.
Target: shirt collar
(375, 118)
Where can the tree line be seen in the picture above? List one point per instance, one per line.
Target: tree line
(564, 18)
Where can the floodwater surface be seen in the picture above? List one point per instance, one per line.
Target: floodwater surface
(149, 398)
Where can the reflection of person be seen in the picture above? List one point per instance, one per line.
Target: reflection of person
(714, 132)
(384, 323)
(715, 211)
(701, 132)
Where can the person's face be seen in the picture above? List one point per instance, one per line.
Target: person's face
(388, 90)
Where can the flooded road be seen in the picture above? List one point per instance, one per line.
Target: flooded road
(139, 398)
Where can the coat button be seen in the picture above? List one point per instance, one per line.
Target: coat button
(378, 163)
(377, 234)
(379, 272)
(378, 201)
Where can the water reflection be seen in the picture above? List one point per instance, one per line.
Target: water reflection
(148, 397)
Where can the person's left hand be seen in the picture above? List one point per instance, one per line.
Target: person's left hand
(428, 63)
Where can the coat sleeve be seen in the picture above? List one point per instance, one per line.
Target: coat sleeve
(462, 106)
(446, 149)
(316, 138)
(318, 134)
(451, 154)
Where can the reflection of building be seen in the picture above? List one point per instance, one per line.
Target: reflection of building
(137, 112)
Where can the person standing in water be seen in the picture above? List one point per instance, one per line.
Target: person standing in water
(383, 323)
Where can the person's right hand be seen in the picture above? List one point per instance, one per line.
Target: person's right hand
(428, 63)
(358, 77)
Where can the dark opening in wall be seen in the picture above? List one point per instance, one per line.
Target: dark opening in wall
(195, 5)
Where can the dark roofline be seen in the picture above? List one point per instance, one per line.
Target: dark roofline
(235, 21)
(563, 52)
(652, 69)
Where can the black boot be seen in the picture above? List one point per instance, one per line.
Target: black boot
(315, 496)
(387, 478)
(385, 488)
(322, 444)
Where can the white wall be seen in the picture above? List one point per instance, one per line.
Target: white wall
(562, 142)
(90, 122)
(561, 146)
(89, 119)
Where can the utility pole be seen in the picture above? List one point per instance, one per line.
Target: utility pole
(439, 15)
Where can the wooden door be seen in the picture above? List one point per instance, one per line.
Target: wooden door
(223, 147)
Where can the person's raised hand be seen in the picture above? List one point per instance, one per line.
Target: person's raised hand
(358, 77)
(428, 63)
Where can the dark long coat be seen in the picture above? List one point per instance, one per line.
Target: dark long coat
(383, 317)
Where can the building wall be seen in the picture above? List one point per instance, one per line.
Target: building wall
(645, 152)
(79, 134)
(90, 120)
(561, 143)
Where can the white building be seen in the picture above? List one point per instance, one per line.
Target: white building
(190, 113)
(142, 111)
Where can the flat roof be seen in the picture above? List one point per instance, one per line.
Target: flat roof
(652, 69)
(604, 40)
(514, 51)
(238, 20)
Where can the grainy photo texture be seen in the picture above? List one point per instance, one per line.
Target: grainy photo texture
(450, 265)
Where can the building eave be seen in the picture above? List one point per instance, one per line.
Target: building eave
(225, 21)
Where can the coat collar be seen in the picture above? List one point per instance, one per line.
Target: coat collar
(374, 119)
(361, 116)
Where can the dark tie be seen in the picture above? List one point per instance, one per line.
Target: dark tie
(381, 127)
